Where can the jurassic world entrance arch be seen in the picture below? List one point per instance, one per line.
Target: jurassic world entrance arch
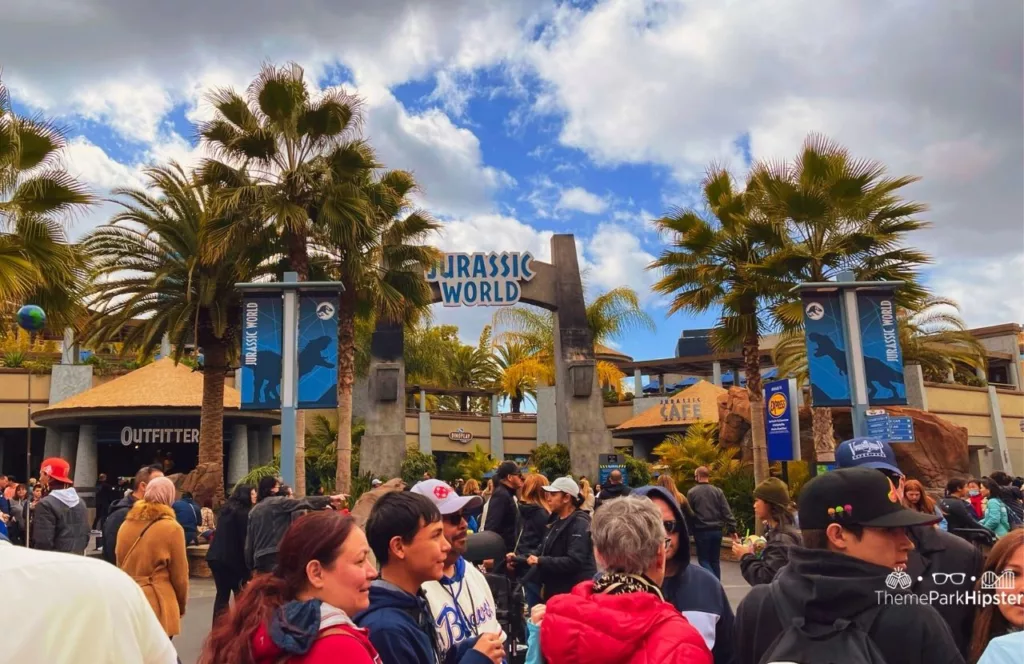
(484, 280)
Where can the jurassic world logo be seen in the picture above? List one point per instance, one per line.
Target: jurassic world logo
(460, 436)
(482, 279)
(680, 410)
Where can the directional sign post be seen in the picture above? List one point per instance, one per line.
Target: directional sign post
(881, 426)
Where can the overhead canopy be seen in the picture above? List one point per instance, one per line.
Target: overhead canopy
(698, 403)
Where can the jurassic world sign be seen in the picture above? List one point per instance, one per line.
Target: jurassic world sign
(481, 279)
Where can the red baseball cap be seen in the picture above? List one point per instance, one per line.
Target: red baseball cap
(57, 468)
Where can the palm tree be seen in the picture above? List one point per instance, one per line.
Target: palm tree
(472, 367)
(270, 146)
(374, 242)
(518, 373)
(609, 316)
(37, 263)
(833, 213)
(149, 266)
(684, 454)
(713, 266)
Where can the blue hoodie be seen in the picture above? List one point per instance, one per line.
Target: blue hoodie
(695, 591)
(402, 629)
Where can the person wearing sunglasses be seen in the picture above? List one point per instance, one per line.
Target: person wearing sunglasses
(461, 602)
(935, 551)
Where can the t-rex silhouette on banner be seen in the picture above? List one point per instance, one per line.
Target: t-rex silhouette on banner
(881, 374)
(267, 373)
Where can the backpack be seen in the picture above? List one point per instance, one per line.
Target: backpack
(844, 642)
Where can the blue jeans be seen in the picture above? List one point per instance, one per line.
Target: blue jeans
(709, 550)
(532, 595)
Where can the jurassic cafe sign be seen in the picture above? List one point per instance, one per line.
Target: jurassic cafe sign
(481, 279)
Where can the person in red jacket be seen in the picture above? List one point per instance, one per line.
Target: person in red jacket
(300, 612)
(621, 617)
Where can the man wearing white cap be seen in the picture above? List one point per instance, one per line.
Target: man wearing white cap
(461, 603)
(566, 555)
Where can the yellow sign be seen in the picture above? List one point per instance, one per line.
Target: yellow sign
(777, 404)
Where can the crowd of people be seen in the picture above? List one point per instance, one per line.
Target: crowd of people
(865, 567)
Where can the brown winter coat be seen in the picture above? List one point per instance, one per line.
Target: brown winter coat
(158, 563)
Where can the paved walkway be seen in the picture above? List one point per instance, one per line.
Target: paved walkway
(196, 623)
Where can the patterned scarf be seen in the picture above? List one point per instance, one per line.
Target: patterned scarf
(619, 583)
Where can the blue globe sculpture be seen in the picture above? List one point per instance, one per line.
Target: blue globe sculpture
(31, 318)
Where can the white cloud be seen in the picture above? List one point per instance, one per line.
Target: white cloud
(988, 292)
(581, 200)
(615, 257)
(93, 166)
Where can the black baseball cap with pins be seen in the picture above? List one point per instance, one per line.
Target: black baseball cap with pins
(857, 497)
(507, 468)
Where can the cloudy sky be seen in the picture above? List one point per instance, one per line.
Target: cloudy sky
(524, 118)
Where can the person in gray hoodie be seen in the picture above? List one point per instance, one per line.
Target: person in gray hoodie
(61, 521)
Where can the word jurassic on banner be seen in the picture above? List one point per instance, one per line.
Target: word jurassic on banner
(482, 279)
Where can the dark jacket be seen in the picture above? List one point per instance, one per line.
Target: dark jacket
(823, 586)
(268, 521)
(694, 591)
(533, 522)
(611, 492)
(105, 495)
(5, 505)
(758, 569)
(189, 516)
(502, 514)
(938, 551)
(228, 545)
(958, 513)
(566, 555)
(402, 629)
(61, 523)
(710, 508)
(118, 511)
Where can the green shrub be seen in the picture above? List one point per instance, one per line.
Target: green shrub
(638, 471)
(415, 464)
(551, 461)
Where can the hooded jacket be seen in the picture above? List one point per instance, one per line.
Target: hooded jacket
(502, 515)
(757, 569)
(534, 523)
(188, 515)
(151, 549)
(823, 587)
(317, 633)
(611, 492)
(566, 555)
(61, 523)
(118, 511)
(694, 591)
(584, 627)
(228, 546)
(402, 629)
(268, 521)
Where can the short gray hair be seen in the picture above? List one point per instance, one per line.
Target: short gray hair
(628, 533)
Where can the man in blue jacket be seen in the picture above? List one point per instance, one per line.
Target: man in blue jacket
(406, 536)
(691, 588)
(189, 516)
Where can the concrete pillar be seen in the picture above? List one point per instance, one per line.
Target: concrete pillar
(638, 383)
(52, 446)
(716, 373)
(950, 376)
(424, 436)
(1014, 372)
(383, 448)
(423, 401)
(981, 374)
(1001, 454)
(253, 437)
(913, 378)
(266, 445)
(661, 383)
(547, 418)
(165, 346)
(497, 434)
(85, 470)
(68, 445)
(238, 454)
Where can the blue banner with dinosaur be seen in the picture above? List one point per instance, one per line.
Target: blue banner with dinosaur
(262, 330)
(826, 349)
(318, 350)
(880, 340)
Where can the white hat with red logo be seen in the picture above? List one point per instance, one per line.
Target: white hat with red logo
(445, 497)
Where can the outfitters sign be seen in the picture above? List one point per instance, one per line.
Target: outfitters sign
(318, 350)
(880, 341)
(482, 279)
(262, 316)
(826, 349)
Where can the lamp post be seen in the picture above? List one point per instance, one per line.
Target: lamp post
(31, 318)
(289, 288)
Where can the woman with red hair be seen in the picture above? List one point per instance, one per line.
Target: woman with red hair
(915, 498)
(301, 612)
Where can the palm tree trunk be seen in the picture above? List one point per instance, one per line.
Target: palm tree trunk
(346, 378)
(299, 261)
(516, 403)
(211, 416)
(464, 403)
(752, 369)
(824, 436)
